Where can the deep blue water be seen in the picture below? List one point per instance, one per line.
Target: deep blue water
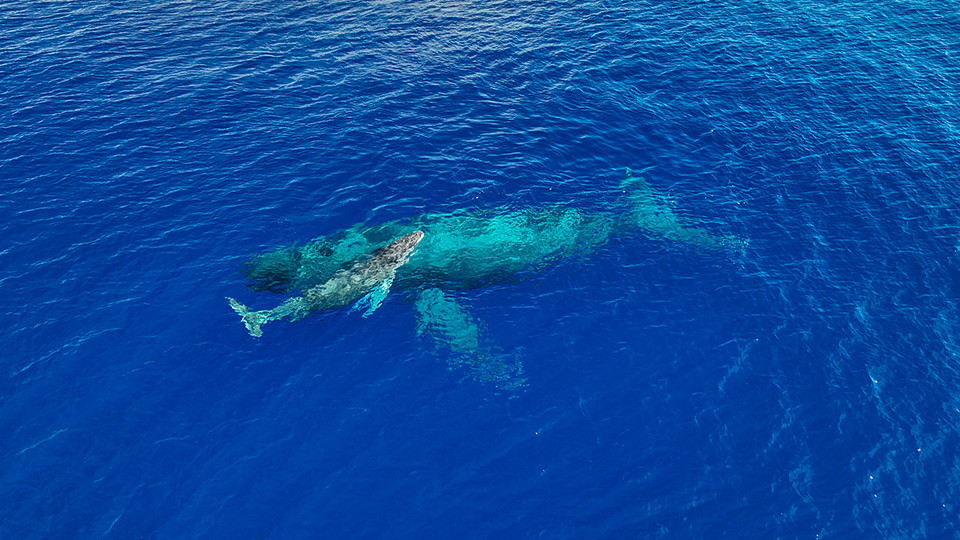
(805, 387)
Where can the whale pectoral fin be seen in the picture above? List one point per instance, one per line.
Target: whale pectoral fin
(374, 298)
(452, 326)
(445, 319)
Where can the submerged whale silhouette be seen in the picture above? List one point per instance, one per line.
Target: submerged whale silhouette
(458, 250)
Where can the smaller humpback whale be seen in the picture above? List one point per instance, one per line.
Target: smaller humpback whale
(367, 279)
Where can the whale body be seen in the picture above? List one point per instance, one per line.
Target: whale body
(463, 250)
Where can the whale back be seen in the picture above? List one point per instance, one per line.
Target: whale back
(352, 283)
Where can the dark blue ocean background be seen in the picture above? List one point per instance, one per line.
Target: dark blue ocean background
(806, 386)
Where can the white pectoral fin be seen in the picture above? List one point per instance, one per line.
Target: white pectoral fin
(451, 325)
(444, 318)
(373, 299)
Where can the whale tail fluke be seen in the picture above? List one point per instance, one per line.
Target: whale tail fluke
(655, 215)
(252, 319)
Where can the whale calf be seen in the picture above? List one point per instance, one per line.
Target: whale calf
(345, 286)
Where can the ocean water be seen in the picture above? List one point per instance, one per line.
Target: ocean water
(803, 385)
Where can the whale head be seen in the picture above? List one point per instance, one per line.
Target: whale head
(395, 254)
(352, 283)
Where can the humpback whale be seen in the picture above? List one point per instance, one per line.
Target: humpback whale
(345, 286)
(456, 251)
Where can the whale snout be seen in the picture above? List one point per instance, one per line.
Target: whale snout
(409, 241)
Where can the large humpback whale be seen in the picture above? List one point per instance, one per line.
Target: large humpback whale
(459, 250)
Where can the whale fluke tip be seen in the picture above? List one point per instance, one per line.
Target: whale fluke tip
(252, 319)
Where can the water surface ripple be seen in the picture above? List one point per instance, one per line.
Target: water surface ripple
(807, 386)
